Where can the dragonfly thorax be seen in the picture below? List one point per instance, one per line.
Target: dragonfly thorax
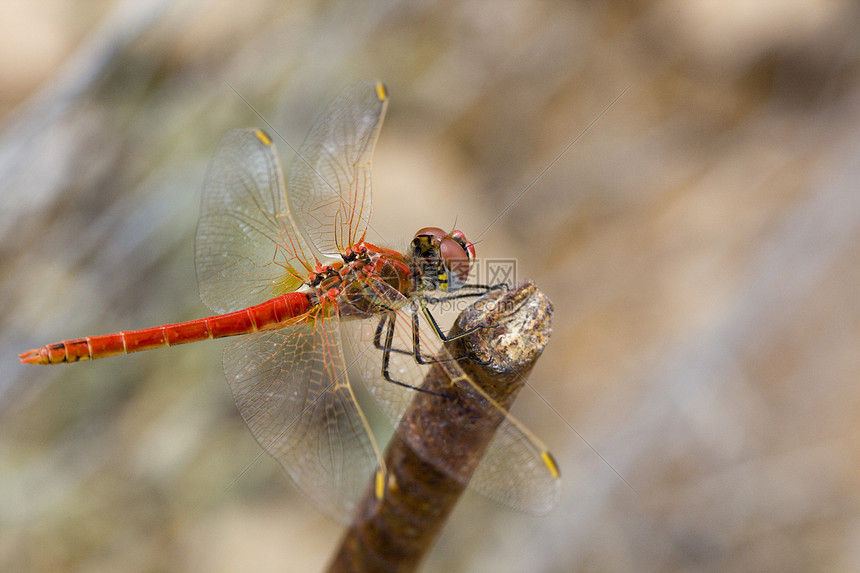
(370, 280)
(443, 260)
(327, 277)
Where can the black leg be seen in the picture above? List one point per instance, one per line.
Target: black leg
(387, 350)
(416, 341)
(377, 336)
(438, 330)
(481, 291)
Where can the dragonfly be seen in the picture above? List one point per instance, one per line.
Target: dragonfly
(285, 264)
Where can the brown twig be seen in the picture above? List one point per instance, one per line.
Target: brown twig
(394, 533)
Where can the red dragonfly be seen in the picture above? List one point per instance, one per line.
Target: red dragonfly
(288, 267)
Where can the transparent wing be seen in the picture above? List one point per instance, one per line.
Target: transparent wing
(291, 388)
(330, 176)
(247, 247)
(513, 471)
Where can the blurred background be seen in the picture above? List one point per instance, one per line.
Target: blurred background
(680, 177)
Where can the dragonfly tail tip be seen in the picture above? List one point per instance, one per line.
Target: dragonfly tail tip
(31, 357)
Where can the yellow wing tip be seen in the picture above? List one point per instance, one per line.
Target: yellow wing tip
(380, 484)
(263, 137)
(549, 462)
(381, 91)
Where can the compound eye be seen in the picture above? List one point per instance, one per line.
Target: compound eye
(467, 246)
(457, 260)
(435, 233)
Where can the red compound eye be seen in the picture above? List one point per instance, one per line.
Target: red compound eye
(467, 246)
(457, 262)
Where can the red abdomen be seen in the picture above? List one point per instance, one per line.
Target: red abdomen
(272, 313)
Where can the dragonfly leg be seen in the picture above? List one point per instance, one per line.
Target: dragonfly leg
(432, 320)
(416, 340)
(383, 336)
(377, 338)
(481, 291)
(387, 349)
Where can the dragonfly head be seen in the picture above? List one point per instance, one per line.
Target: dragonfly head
(444, 259)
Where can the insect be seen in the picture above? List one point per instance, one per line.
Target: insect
(285, 264)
